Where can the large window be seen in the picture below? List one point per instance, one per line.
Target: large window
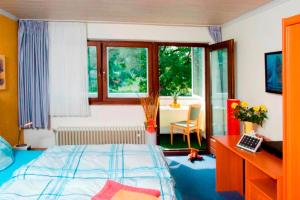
(119, 72)
(181, 70)
(123, 72)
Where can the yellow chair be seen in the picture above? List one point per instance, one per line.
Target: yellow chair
(191, 124)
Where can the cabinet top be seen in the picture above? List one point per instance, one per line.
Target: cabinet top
(266, 162)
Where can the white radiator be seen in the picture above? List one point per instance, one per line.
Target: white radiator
(99, 135)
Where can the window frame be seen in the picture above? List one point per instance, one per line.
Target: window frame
(153, 67)
(99, 99)
(102, 69)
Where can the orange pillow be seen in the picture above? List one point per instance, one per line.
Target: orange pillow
(125, 195)
(111, 188)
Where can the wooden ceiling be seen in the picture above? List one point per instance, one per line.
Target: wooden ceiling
(164, 12)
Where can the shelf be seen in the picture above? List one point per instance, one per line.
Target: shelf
(266, 186)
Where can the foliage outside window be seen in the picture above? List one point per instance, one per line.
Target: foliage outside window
(127, 72)
(181, 71)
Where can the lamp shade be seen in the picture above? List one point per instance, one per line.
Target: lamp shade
(233, 124)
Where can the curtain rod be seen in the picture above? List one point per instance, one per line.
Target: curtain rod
(126, 23)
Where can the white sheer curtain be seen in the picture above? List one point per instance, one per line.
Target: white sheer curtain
(68, 70)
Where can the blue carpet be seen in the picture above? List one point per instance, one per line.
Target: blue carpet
(196, 181)
(21, 158)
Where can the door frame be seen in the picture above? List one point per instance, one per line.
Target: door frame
(229, 44)
(156, 86)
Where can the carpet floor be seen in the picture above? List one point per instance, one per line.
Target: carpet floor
(196, 181)
(179, 143)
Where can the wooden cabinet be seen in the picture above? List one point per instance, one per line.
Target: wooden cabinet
(291, 107)
(260, 174)
(260, 185)
(212, 146)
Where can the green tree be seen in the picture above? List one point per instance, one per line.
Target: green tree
(127, 70)
(175, 71)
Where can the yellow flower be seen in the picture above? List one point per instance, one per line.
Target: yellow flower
(256, 108)
(234, 105)
(244, 104)
(263, 108)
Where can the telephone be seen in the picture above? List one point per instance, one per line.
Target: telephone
(250, 142)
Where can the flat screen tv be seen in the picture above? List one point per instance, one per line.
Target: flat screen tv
(273, 72)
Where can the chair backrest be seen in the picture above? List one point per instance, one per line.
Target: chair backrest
(194, 111)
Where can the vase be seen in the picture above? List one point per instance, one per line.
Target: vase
(248, 127)
(150, 137)
(174, 100)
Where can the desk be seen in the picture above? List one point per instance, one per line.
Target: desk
(258, 176)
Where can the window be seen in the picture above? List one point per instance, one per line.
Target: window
(181, 70)
(127, 72)
(123, 72)
(119, 72)
(92, 72)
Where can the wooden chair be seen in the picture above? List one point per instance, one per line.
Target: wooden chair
(191, 124)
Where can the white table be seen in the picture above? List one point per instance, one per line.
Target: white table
(169, 115)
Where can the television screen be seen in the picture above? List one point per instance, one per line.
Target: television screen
(273, 72)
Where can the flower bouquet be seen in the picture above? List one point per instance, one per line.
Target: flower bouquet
(250, 115)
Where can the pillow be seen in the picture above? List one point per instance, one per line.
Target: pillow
(111, 188)
(125, 194)
(6, 154)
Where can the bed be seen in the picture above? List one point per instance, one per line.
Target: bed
(79, 172)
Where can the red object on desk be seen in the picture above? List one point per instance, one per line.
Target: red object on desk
(233, 124)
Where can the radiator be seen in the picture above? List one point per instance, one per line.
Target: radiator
(99, 135)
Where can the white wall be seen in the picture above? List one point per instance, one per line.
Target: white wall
(118, 115)
(256, 33)
(102, 31)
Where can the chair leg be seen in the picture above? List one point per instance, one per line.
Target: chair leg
(171, 133)
(189, 140)
(199, 136)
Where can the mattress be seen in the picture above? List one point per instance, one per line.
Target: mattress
(80, 171)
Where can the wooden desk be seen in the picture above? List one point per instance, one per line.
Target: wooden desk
(258, 176)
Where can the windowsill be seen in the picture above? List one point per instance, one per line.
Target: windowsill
(181, 98)
(184, 101)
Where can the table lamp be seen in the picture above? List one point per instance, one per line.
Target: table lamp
(21, 130)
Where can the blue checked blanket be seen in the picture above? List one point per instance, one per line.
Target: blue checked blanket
(80, 171)
(74, 189)
(97, 162)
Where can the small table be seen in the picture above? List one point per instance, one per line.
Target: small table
(170, 115)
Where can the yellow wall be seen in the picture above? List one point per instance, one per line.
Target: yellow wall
(9, 96)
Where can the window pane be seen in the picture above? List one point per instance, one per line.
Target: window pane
(127, 72)
(219, 70)
(175, 70)
(198, 71)
(219, 92)
(92, 71)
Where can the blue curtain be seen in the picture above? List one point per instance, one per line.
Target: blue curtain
(33, 69)
(215, 33)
